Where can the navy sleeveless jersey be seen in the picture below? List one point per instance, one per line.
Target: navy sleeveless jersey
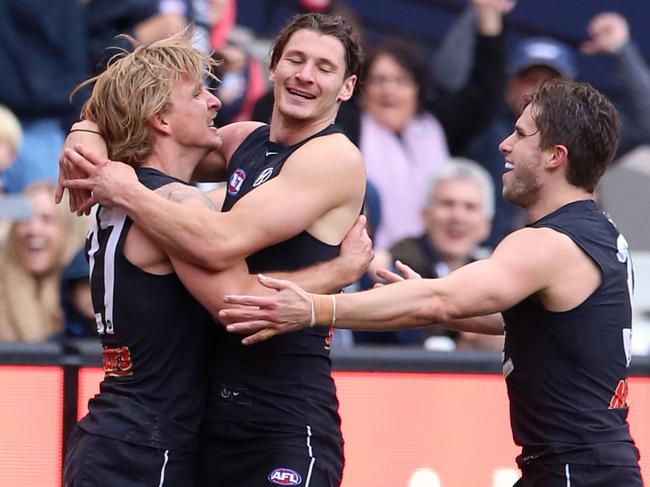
(155, 338)
(285, 380)
(566, 372)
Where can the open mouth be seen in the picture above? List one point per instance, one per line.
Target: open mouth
(509, 166)
(301, 94)
(36, 244)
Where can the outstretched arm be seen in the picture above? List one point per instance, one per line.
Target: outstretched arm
(519, 267)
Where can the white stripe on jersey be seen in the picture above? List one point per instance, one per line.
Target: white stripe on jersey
(311, 455)
(162, 471)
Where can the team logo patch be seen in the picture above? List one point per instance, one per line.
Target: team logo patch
(285, 476)
(117, 361)
(263, 177)
(235, 182)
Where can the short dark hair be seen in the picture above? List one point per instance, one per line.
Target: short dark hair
(324, 24)
(582, 119)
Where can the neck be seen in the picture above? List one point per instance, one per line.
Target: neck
(288, 131)
(555, 199)
(174, 160)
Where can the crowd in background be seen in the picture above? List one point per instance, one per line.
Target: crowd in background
(428, 126)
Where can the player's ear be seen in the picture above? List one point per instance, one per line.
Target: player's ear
(159, 123)
(345, 93)
(558, 156)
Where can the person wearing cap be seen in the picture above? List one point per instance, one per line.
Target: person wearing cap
(538, 59)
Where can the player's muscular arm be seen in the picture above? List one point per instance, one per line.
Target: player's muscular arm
(209, 287)
(315, 180)
(85, 169)
(322, 176)
(526, 262)
(183, 194)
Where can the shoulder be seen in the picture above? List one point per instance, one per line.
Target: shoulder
(232, 136)
(534, 240)
(541, 250)
(334, 149)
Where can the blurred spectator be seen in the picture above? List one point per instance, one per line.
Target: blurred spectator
(144, 20)
(42, 58)
(242, 79)
(31, 265)
(456, 219)
(405, 132)
(538, 59)
(78, 314)
(11, 137)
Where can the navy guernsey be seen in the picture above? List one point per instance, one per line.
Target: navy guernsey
(155, 338)
(566, 372)
(285, 381)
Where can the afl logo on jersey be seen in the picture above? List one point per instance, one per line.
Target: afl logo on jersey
(235, 182)
(263, 177)
(285, 476)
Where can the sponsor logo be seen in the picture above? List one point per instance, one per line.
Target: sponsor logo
(117, 362)
(285, 476)
(235, 182)
(270, 153)
(263, 177)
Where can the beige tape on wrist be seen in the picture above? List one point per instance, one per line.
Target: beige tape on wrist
(324, 309)
(312, 320)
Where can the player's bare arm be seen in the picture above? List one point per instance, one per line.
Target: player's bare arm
(528, 261)
(84, 133)
(208, 287)
(486, 324)
(319, 189)
(86, 136)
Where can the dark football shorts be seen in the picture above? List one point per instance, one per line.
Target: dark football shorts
(97, 461)
(245, 454)
(571, 475)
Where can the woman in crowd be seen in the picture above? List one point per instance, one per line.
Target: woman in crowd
(31, 262)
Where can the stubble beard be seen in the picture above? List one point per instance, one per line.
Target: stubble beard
(524, 190)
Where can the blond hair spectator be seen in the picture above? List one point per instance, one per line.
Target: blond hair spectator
(31, 262)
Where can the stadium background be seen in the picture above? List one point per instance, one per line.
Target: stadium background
(411, 419)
